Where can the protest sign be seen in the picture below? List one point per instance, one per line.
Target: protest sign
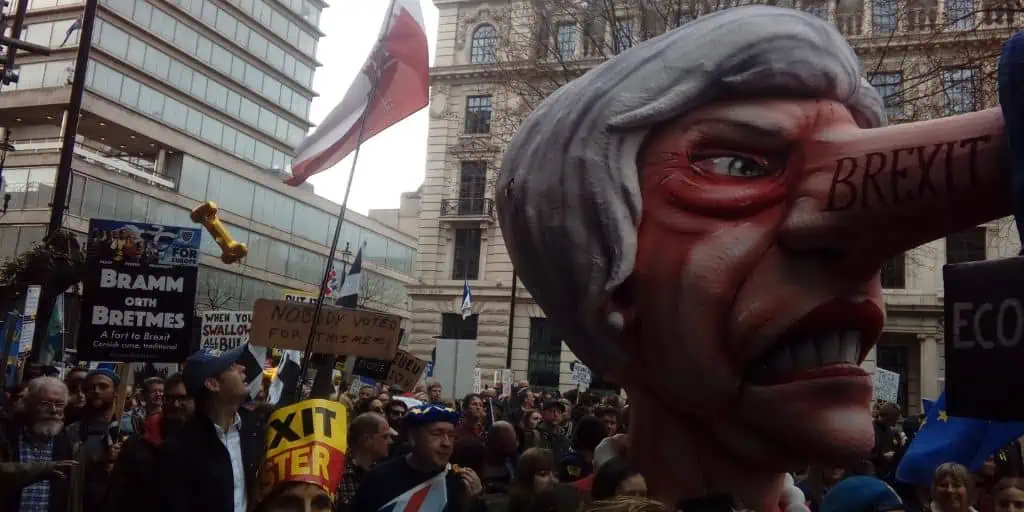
(300, 296)
(887, 385)
(478, 385)
(581, 375)
(306, 442)
(376, 369)
(139, 292)
(359, 383)
(405, 370)
(224, 330)
(984, 327)
(28, 318)
(340, 331)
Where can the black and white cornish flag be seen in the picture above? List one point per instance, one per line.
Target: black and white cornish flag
(286, 378)
(253, 358)
(348, 297)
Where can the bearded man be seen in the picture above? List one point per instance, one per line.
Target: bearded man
(704, 217)
(36, 454)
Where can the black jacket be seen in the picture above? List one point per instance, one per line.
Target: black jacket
(195, 467)
(63, 449)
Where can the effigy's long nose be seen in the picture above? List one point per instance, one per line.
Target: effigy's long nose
(870, 194)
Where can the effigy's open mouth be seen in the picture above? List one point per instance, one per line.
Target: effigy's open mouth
(830, 341)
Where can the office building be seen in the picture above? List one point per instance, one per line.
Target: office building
(188, 101)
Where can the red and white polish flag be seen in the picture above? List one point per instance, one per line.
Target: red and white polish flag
(402, 88)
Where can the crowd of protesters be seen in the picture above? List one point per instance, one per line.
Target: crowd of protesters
(194, 442)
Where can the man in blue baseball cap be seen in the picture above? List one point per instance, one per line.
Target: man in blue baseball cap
(422, 480)
(212, 464)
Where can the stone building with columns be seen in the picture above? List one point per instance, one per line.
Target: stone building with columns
(927, 59)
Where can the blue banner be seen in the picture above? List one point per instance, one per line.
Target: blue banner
(115, 241)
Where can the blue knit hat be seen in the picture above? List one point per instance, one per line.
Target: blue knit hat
(861, 494)
(104, 372)
(419, 415)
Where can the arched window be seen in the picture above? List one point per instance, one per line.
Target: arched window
(484, 45)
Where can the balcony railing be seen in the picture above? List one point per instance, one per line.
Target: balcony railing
(468, 207)
(99, 154)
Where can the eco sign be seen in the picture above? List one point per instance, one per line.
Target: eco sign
(984, 338)
(225, 330)
(306, 442)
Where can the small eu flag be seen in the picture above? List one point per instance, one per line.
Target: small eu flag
(943, 438)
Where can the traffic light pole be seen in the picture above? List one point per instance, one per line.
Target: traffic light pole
(67, 149)
(19, 23)
(58, 205)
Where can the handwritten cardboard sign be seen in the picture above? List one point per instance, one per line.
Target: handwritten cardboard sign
(306, 442)
(887, 385)
(340, 331)
(405, 370)
(224, 330)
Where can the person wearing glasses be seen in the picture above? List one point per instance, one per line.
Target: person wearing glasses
(369, 441)
(423, 480)
(36, 454)
(133, 477)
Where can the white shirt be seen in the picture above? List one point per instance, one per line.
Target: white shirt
(232, 440)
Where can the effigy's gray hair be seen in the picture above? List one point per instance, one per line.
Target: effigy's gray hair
(568, 193)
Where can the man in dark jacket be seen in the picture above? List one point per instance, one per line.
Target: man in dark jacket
(134, 476)
(212, 464)
(34, 447)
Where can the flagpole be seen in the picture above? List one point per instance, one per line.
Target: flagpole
(379, 48)
(511, 321)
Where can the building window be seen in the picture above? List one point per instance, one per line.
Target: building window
(883, 16)
(960, 86)
(967, 245)
(472, 188)
(623, 36)
(466, 264)
(454, 327)
(960, 14)
(894, 273)
(545, 359)
(478, 114)
(483, 48)
(890, 87)
(568, 36)
(815, 7)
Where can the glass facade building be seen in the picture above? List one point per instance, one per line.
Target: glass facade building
(188, 101)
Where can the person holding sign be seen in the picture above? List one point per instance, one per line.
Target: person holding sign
(212, 464)
(423, 480)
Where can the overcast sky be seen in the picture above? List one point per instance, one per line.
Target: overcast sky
(395, 160)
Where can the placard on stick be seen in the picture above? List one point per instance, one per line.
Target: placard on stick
(340, 331)
(984, 327)
(405, 370)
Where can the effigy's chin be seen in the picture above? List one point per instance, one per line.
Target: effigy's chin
(821, 421)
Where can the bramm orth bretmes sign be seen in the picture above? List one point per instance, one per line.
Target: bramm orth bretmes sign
(340, 331)
(139, 292)
(984, 338)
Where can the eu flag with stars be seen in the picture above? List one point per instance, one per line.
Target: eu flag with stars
(942, 438)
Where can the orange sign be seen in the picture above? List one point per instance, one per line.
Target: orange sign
(306, 442)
